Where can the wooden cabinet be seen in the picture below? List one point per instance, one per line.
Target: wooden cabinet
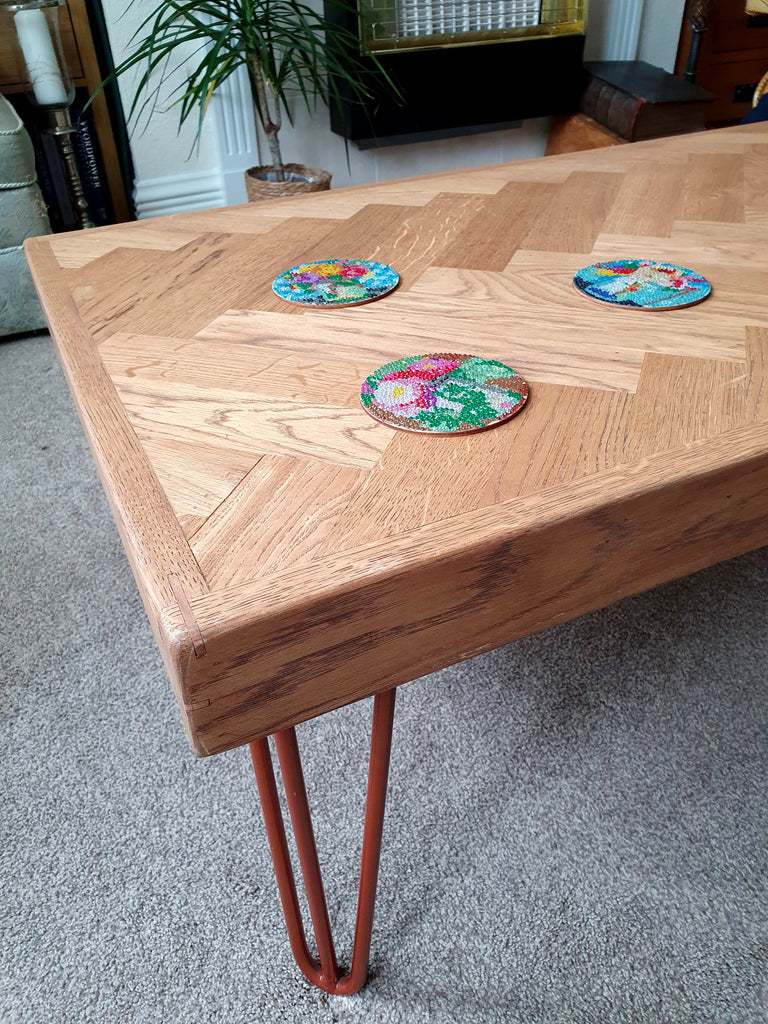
(733, 59)
(84, 67)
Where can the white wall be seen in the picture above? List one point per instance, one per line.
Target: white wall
(171, 166)
(311, 142)
(613, 29)
(634, 30)
(660, 33)
(174, 175)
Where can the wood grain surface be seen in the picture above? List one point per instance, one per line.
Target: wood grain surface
(294, 554)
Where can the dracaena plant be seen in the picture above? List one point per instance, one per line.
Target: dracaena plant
(283, 44)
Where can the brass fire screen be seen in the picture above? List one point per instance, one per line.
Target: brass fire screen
(410, 24)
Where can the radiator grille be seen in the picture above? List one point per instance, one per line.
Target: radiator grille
(392, 24)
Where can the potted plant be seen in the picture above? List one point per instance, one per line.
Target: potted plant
(283, 44)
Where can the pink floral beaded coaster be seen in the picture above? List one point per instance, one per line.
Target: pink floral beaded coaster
(335, 282)
(443, 393)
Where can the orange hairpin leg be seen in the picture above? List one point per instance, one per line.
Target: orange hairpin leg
(324, 972)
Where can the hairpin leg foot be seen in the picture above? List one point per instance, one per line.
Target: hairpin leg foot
(324, 971)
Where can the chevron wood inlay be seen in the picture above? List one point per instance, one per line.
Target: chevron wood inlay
(490, 241)
(278, 516)
(647, 201)
(709, 397)
(252, 422)
(321, 556)
(545, 356)
(70, 252)
(700, 241)
(409, 238)
(195, 476)
(484, 469)
(576, 213)
(509, 304)
(757, 375)
(300, 376)
(714, 189)
(755, 194)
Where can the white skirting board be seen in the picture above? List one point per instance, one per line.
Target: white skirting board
(224, 185)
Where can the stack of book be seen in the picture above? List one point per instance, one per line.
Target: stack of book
(50, 171)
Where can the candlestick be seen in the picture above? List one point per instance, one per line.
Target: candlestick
(61, 127)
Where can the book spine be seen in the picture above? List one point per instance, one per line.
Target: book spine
(91, 168)
(588, 102)
(61, 211)
(610, 107)
(674, 119)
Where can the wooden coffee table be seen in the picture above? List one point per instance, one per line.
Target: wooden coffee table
(293, 554)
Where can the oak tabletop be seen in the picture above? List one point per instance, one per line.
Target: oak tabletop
(294, 554)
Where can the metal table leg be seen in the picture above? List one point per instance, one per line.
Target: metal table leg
(325, 973)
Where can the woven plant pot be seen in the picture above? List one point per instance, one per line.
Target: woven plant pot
(260, 183)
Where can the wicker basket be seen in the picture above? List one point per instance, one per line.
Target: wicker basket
(299, 179)
(762, 88)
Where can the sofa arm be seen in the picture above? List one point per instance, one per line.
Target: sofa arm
(22, 215)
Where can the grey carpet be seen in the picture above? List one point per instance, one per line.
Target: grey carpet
(576, 828)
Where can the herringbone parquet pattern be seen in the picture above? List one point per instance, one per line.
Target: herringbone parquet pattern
(247, 408)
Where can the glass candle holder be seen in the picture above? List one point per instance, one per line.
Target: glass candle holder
(32, 26)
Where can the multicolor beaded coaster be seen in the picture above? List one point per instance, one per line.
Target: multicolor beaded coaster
(642, 284)
(443, 393)
(335, 282)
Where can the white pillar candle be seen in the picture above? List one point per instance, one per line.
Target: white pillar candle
(40, 57)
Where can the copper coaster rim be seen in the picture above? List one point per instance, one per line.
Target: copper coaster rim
(339, 305)
(642, 309)
(449, 433)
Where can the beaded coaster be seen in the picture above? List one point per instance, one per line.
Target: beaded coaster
(443, 393)
(643, 284)
(335, 282)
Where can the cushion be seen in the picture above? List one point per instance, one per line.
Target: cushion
(17, 157)
(19, 306)
(22, 215)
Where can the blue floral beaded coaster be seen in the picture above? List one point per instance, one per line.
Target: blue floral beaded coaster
(335, 282)
(642, 284)
(443, 393)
